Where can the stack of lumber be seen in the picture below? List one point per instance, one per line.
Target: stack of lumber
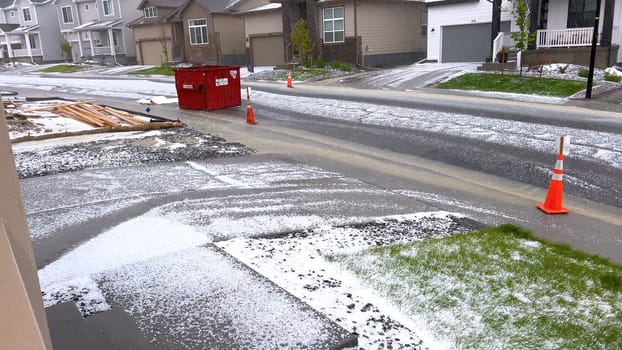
(90, 113)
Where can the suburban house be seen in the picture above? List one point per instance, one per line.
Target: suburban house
(563, 31)
(263, 28)
(26, 32)
(367, 32)
(97, 29)
(158, 33)
(199, 32)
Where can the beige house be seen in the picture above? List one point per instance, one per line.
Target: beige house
(263, 26)
(367, 32)
(195, 31)
(158, 34)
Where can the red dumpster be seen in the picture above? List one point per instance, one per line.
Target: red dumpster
(208, 87)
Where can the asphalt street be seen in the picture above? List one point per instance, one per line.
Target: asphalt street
(455, 170)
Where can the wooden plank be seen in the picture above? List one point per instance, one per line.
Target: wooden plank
(124, 116)
(57, 105)
(95, 116)
(71, 113)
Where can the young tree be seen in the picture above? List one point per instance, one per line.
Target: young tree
(65, 47)
(522, 38)
(301, 39)
(166, 62)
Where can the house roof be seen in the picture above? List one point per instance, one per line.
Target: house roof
(6, 27)
(162, 3)
(95, 25)
(446, 2)
(266, 7)
(9, 3)
(25, 29)
(215, 5)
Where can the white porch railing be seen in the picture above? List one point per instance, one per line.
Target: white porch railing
(24, 52)
(497, 45)
(105, 50)
(503, 40)
(572, 37)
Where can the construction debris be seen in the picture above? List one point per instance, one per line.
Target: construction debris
(48, 119)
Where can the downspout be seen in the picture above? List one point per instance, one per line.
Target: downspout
(356, 35)
(112, 48)
(29, 48)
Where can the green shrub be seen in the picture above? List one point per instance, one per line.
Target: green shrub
(335, 64)
(345, 67)
(612, 77)
(319, 62)
(307, 62)
(583, 73)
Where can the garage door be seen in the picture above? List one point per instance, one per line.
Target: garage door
(267, 50)
(152, 53)
(468, 43)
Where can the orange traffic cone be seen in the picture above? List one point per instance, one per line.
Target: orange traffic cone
(553, 202)
(289, 79)
(250, 116)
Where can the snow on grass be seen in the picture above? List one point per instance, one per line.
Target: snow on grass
(595, 146)
(499, 289)
(297, 262)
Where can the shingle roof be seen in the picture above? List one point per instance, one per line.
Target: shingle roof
(163, 3)
(6, 27)
(6, 3)
(215, 5)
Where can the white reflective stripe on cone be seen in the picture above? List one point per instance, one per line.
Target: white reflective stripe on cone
(558, 177)
(559, 164)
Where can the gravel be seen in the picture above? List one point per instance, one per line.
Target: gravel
(169, 145)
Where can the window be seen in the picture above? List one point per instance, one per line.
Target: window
(33, 41)
(26, 13)
(333, 25)
(108, 10)
(151, 12)
(12, 13)
(115, 39)
(198, 31)
(581, 13)
(67, 14)
(86, 7)
(424, 23)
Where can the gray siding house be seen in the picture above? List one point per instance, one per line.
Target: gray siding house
(97, 29)
(26, 32)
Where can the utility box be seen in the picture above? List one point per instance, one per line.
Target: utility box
(208, 87)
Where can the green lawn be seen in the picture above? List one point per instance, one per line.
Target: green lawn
(499, 289)
(64, 68)
(163, 70)
(514, 83)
